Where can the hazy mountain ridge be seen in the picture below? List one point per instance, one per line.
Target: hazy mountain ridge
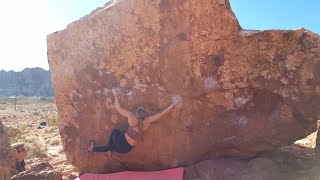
(28, 82)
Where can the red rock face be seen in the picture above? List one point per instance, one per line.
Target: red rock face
(38, 171)
(243, 92)
(6, 154)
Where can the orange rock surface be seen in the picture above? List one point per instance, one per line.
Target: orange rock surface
(244, 92)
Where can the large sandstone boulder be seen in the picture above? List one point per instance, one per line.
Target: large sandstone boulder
(243, 92)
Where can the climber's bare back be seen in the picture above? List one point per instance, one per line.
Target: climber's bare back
(133, 122)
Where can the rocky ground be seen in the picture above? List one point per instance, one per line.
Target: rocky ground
(297, 161)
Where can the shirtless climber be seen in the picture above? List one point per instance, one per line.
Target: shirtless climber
(124, 142)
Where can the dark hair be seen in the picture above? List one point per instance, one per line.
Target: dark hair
(141, 114)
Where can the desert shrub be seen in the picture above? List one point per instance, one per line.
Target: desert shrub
(14, 134)
(24, 128)
(30, 138)
(47, 141)
(53, 121)
(54, 141)
(47, 136)
(36, 150)
(50, 130)
(60, 150)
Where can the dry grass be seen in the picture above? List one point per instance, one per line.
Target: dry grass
(50, 130)
(55, 141)
(60, 150)
(15, 134)
(23, 123)
(52, 121)
(37, 150)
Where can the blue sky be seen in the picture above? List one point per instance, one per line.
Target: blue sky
(277, 14)
(67, 11)
(26, 24)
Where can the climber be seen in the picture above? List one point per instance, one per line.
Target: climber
(124, 142)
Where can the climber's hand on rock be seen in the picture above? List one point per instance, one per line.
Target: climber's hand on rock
(108, 103)
(176, 100)
(114, 92)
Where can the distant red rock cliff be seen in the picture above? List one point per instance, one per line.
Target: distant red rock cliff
(28, 82)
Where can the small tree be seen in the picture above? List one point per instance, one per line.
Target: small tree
(15, 100)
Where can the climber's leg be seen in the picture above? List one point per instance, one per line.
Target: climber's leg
(121, 144)
(111, 144)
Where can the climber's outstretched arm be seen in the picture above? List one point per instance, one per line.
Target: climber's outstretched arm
(156, 117)
(122, 111)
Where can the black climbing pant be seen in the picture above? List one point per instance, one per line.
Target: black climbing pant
(117, 143)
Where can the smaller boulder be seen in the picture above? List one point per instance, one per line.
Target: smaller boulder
(39, 171)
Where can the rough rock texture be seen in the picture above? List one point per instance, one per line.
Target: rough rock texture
(277, 168)
(317, 147)
(243, 92)
(5, 154)
(28, 82)
(40, 171)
